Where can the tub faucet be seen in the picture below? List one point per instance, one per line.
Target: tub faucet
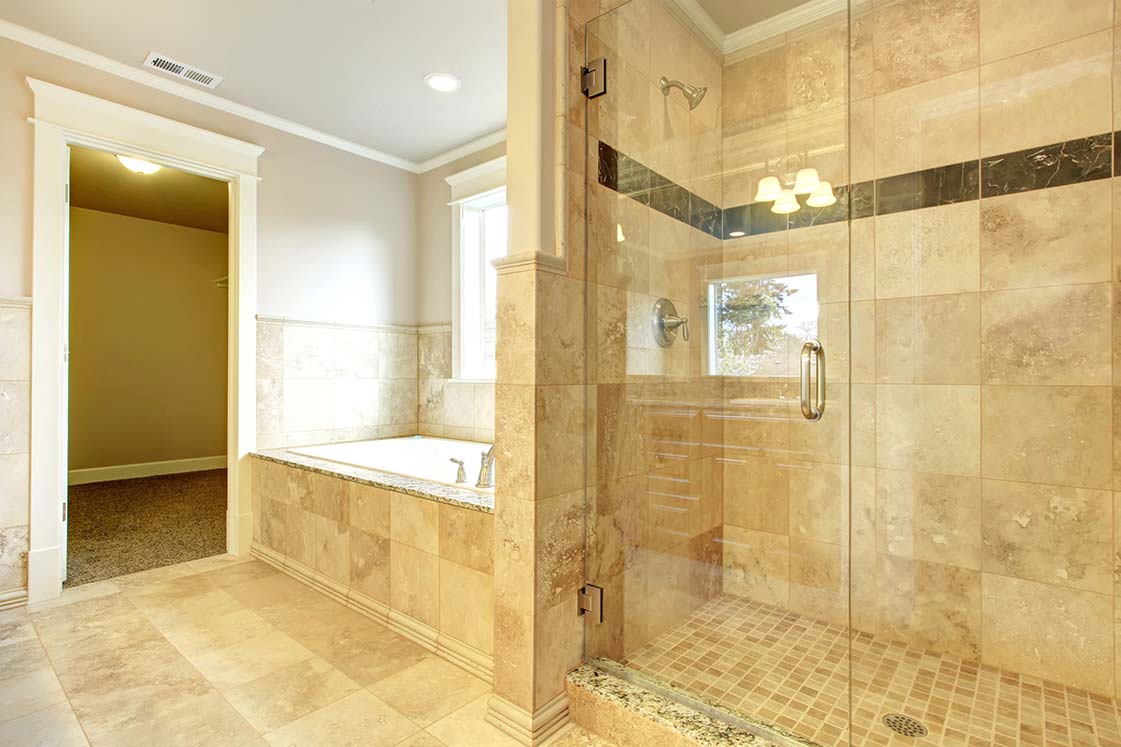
(461, 474)
(486, 470)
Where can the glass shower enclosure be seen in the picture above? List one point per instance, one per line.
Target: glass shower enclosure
(851, 455)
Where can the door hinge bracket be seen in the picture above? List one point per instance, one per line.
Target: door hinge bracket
(64, 510)
(593, 78)
(589, 600)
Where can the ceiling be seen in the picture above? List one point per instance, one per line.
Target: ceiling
(350, 68)
(733, 15)
(98, 181)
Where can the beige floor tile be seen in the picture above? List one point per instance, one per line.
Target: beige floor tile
(215, 562)
(246, 660)
(15, 626)
(423, 739)
(187, 720)
(27, 681)
(285, 695)
(232, 574)
(55, 726)
(198, 632)
(77, 594)
(358, 719)
(468, 726)
(370, 655)
(430, 690)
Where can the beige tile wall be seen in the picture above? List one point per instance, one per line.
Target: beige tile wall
(399, 554)
(15, 444)
(982, 438)
(446, 407)
(318, 383)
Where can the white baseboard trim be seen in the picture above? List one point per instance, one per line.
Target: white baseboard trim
(43, 574)
(457, 652)
(144, 469)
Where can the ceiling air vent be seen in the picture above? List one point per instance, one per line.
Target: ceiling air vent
(165, 64)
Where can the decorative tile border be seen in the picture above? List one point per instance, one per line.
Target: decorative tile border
(1059, 164)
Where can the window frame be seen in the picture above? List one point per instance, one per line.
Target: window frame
(484, 185)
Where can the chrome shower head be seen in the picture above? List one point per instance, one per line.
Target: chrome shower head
(693, 94)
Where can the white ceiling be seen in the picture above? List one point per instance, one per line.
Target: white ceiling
(733, 15)
(350, 68)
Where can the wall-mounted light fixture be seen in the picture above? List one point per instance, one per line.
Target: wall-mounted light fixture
(805, 182)
(138, 165)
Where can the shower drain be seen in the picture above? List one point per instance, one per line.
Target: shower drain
(905, 725)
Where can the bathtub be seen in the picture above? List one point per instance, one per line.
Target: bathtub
(420, 457)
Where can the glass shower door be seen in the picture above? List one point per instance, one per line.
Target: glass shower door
(718, 511)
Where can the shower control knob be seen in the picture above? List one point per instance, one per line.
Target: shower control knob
(666, 322)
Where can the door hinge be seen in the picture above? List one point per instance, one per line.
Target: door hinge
(67, 194)
(64, 510)
(589, 600)
(593, 78)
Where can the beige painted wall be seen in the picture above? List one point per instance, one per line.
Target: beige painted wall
(337, 233)
(147, 341)
(434, 236)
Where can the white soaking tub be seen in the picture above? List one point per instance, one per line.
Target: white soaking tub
(419, 457)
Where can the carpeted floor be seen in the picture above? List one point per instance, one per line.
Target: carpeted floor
(125, 526)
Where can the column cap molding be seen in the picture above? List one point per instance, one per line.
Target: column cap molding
(527, 261)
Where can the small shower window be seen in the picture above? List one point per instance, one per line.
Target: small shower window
(482, 240)
(755, 322)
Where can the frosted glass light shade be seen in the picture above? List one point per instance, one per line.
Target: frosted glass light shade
(806, 181)
(769, 189)
(822, 196)
(786, 203)
(138, 165)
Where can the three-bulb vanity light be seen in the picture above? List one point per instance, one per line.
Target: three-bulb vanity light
(806, 182)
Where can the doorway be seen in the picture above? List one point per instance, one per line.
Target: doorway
(65, 118)
(146, 436)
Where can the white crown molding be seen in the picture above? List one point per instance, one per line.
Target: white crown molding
(68, 51)
(466, 149)
(702, 21)
(790, 20)
(488, 168)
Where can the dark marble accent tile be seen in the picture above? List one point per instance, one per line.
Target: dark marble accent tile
(704, 216)
(1070, 162)
(816, 216)
(862, 199)
(942, 185)
(608, 166)
(946, 185)
(635, 180)
(762, 220)
(737, 220)
(671, 200)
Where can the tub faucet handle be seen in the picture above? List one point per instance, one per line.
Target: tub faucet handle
(461, 475)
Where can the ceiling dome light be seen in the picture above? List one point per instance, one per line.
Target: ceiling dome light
(442, 82)
(822, 196)
(786, 203)
(806, 181)
(138, 165)
(769, 189)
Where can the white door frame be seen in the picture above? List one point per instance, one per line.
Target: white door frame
(64, 117)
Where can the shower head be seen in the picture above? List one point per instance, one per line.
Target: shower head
(693, 94)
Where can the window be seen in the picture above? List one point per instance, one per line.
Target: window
(482, 239)
(478, 238)
(755, 323)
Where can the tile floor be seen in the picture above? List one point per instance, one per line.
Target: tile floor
(784, 669)
(222, 651)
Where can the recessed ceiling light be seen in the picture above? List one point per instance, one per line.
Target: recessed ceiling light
(138, 165)
(442, 82)
(735, 234)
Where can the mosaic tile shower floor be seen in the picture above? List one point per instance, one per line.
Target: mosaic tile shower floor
(785, 669)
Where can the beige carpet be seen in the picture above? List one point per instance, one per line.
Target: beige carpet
(125, 526)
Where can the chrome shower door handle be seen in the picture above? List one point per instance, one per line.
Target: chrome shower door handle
(813, 349)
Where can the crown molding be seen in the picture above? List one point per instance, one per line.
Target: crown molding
(59, 48)
(791, 20)
(466, 149)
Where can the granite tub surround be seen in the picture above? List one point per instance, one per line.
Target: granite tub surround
(15, 444)
(420, 566)
(449, 408)
(321, 382)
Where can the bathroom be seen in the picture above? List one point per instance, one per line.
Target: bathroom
(746, 376)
